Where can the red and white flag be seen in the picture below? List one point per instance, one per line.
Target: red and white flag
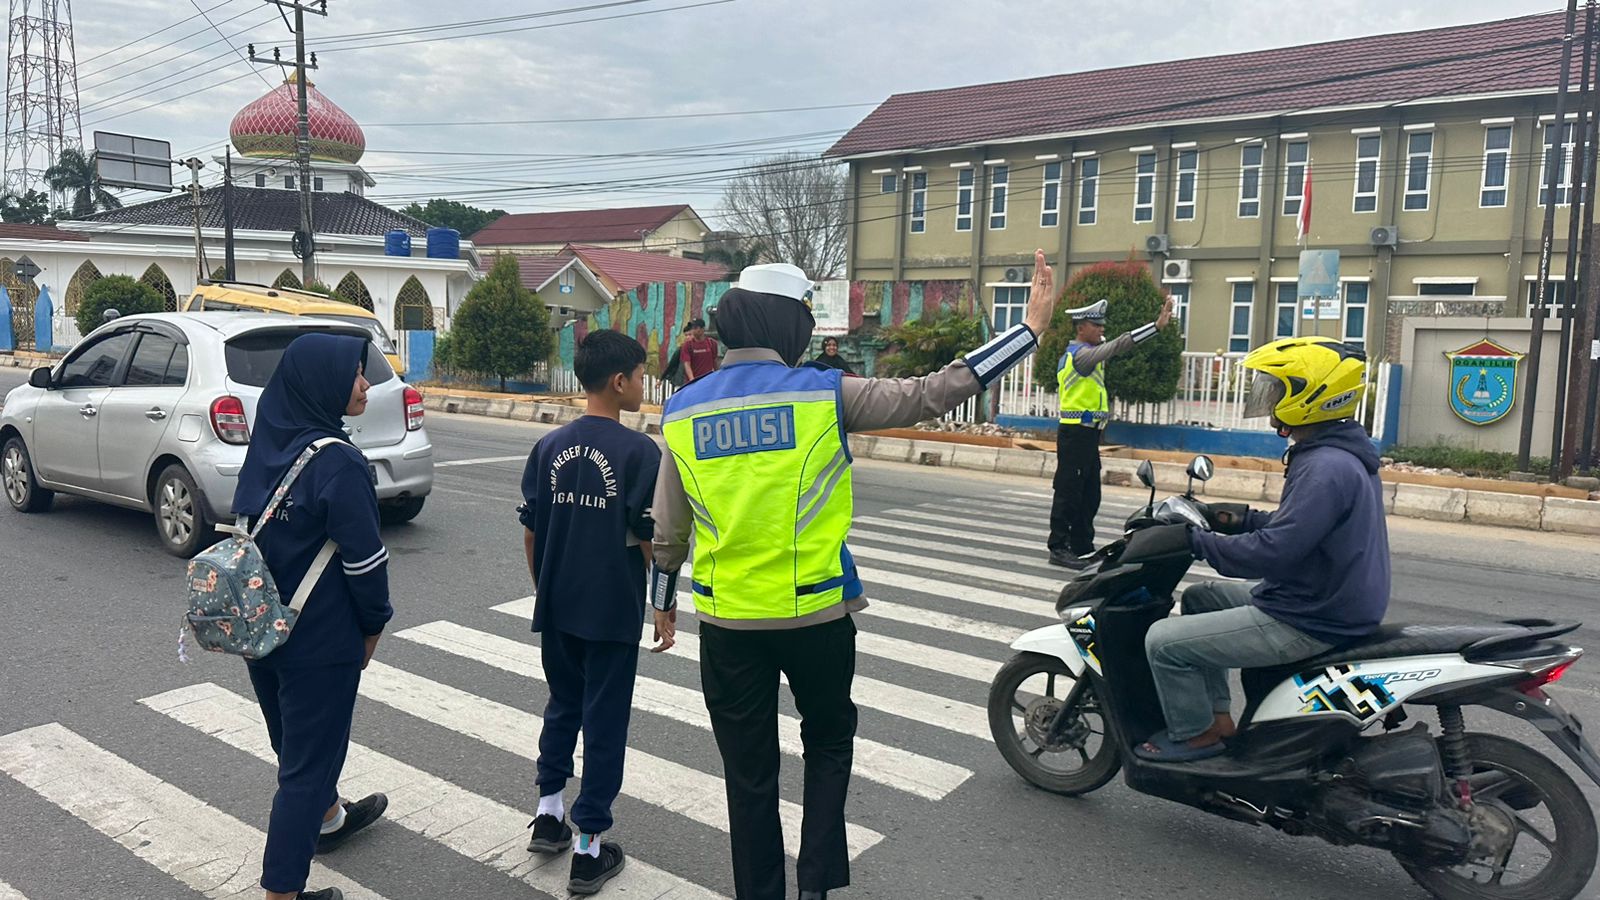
(1304, 223)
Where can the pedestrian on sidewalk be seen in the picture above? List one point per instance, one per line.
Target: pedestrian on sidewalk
(759, 472)
(586, 532)
(1085, 410)
(307, 686)
(699, 353)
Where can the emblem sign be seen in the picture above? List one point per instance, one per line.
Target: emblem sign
(1483, 381)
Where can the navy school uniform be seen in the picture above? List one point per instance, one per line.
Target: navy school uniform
(587, 491)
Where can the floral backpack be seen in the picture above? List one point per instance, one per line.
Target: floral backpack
(233, 605)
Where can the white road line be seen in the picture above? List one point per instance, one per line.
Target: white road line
(901, 769)
(676, 788)
(450, 463)
(1032, 495)
(1029, 606)
(177, 833)
(474, 826)
(7, 892)
(1048, 586)
(948, 556)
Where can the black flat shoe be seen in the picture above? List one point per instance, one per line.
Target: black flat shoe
(813, 895)
(357, 815)
(550, 835)
(590, 873)
(1068, 560)
(324, 894)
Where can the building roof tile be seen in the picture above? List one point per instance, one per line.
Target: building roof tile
(575, 226)
(271, 209)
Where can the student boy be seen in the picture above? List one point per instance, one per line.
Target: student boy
(587, 489)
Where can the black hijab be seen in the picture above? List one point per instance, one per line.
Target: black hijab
(748, 320)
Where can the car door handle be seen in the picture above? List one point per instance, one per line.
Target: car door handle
(155, 415)
(88, 412)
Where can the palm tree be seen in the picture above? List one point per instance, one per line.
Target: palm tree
(734, 254)
(29, 208)
(74, 174)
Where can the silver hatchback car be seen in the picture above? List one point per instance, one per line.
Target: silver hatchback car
(153, 412)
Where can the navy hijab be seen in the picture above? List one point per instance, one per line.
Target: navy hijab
(304, 402)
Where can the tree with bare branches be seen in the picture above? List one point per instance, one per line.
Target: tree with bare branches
(794, 205)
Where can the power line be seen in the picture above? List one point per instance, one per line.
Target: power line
(157, 49)
(196, 5)
(453, 37)
(602, 119)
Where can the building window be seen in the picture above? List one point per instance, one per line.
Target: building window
(964, 181)
(1419, 168)
(1496, 165)
(1244, 299)
(1250, 181)
(1555, 299)
(1144, 191)
(261, 179)
(1000, 181)
(1010, 307)
(288, 182)
(887, 185)
(1188, 177)
(316, 184)
(1050, 214)
(1179, 292)
(1447, 289)
(1295, 155)
(1564, 184)
(1368, 147)
(1287, 308)
(919, 202)
(1355, 313)
(1089, 190)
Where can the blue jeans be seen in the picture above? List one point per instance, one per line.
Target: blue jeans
(1190, 655)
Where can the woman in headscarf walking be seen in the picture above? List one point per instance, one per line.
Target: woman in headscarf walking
(307, 686)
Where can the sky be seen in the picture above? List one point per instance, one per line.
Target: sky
(692, 89)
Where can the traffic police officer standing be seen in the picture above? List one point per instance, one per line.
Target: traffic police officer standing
(758, 469)
(1085, 409)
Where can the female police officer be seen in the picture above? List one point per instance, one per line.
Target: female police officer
(758, 469)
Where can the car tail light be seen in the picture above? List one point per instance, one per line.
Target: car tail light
(228, 421)
(414, 409)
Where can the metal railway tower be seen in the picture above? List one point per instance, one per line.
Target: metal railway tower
(41, 91)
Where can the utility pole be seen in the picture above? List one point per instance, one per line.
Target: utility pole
(305, 239)
(1530, 392)
(229, 272)
(194, 165)
(1583, 199)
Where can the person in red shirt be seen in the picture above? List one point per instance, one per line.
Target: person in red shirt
(699, 353)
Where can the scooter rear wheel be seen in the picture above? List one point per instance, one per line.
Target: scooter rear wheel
(1050, 727)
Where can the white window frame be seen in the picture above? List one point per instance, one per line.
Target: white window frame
(1188, 179)
(1344, 313)
(1568, 153)
(919, 202)
(1181, 291)
(1553, 310)
(1278, 306)
(1426, 193)
(1294, 176)
(1011, 305)
(1142, 181)
(966, 181)
(888, 183)
(1362, 165)
(1047, 206)
(1233, 310)
(999, 196)
(1088, 191)
(1504, 187)
(1245, 169)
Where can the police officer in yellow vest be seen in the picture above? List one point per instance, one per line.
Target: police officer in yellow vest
(1085, 409)
(758, 471)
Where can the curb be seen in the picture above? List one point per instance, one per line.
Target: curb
(1414, 501)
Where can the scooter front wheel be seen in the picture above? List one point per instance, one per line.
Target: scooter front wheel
(1050, 726)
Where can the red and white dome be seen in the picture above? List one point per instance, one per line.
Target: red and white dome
(266, 129)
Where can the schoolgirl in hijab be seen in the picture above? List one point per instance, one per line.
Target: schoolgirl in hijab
(307, 687)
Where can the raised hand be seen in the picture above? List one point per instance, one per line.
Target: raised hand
(1042, 297)
(1166, 314)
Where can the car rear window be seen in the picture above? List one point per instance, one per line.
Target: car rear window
(253, 357)
(379, 336)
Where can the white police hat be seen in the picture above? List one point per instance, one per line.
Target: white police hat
(782, 279)
(1094, 312)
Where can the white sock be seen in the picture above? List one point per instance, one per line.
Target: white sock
(552, 805)
(588, 843)
(335, 823)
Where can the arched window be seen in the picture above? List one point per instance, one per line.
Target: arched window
(82, 280)
(353, 290)
(288, 280)
(22, 296)
(412, 309)
(157, 280)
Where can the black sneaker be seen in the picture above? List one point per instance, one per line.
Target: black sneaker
(1068, 560)
(324, 894)
(357, 816)
(550, 835)
(590, 873)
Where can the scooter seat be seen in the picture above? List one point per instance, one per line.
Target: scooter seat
(1416, 640)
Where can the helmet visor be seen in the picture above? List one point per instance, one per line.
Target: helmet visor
(1266, 392)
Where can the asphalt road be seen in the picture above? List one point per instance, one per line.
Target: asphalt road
(89, 629)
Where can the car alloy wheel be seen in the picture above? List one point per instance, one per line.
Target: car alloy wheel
(176, 512)
(14, 475)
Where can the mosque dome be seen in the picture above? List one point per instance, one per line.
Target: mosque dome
(266, 128)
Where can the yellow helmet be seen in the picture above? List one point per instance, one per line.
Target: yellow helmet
(1305, 380)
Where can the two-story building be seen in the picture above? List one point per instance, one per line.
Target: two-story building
(1421, 155)
(675, 230)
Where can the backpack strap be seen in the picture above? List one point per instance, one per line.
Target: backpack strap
(313, 575)
(288, 482)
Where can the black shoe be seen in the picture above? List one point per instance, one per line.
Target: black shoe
(324, 894)
(590, 873)
(550, 835)
(357, 815)
(1068, 560)
(813, 895)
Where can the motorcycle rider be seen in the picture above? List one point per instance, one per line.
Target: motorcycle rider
(1322, 556)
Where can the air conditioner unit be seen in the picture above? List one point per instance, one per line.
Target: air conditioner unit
(1385, 236)
(1175, 270)
(1157, 243)
(1019, 275)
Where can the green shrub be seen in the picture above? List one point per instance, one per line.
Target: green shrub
(1148, 374)
(1467, 461)
(925, 347)
(121, 293)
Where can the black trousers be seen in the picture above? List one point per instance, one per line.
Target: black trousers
(739, 671)
(591, 689)
(1077, 489)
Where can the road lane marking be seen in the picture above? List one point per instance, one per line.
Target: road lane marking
(1047, 586)
(903, 770)
(674, 787)
(482, 461)
(177, 833)
(481, 829)
(7, 892)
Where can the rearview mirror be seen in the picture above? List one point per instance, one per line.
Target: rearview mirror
(1147, 474)
(39, 378)
(1201, 468)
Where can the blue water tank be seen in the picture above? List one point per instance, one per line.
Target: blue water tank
(444, 243)
(397, 243)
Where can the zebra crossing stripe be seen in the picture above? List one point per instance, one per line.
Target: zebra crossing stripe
(1032, 495)
(7, 892)
(661, 782)
(1048, 587)
(481, 829)
(175, 832)
(903, 770)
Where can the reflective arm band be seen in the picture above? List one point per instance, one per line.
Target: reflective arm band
(1144, 332)
(663, 589)
(993, 359)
